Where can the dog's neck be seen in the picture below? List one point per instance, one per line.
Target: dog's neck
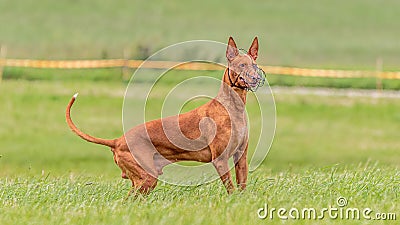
(233, 95)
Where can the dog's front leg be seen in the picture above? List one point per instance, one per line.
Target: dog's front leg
(221, 165)
(241, 167)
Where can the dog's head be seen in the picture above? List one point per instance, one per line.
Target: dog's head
(242, 68)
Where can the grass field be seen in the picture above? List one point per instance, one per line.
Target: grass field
(81, 199)
(324, 148)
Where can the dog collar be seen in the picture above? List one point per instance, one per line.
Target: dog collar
(233, 84)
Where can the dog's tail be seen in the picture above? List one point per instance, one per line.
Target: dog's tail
(110, 143)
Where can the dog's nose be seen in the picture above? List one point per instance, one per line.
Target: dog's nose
(254, 78)
(123, 175)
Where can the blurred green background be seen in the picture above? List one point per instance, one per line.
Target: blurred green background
(312, 33)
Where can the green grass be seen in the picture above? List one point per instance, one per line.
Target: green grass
(94, 200)
(32, 74)
(324, 148)
(339, 34)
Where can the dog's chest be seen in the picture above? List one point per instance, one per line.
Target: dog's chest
(239, 129)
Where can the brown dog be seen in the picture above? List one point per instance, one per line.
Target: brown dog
(213, 132)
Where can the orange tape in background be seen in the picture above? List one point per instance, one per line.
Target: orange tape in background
(112, 63)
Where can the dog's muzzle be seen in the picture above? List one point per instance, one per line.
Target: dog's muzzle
(253, 82)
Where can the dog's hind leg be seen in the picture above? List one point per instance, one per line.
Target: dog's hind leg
(146, 184)
(143, 185)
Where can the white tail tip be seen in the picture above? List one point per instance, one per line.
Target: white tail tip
(75, 95)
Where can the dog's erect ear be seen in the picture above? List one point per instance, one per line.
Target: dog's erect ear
(253, 50)
(231, 50)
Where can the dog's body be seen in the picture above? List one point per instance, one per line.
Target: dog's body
(213, 132)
